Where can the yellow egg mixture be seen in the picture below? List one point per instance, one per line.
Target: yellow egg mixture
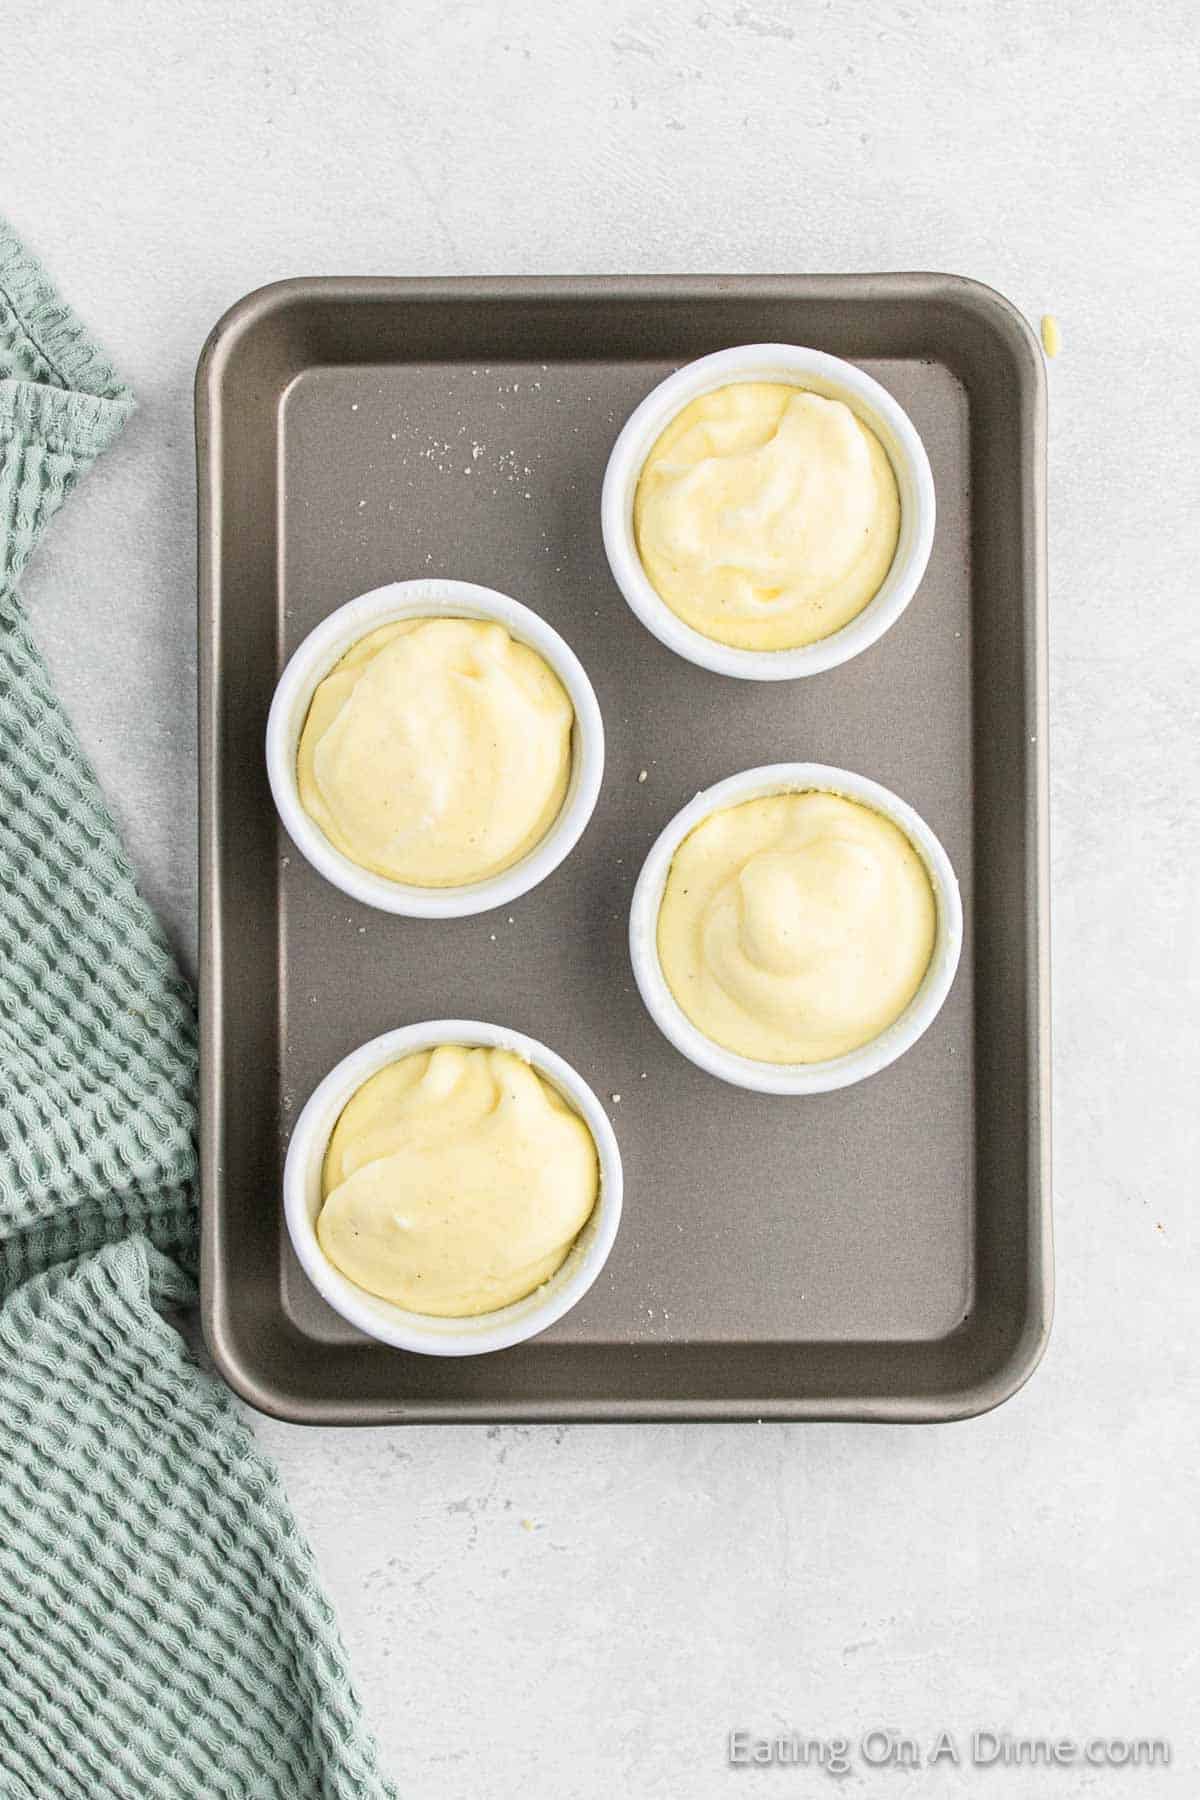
(455, 1182)
(766, 516)
(436, 752)
(795, 928)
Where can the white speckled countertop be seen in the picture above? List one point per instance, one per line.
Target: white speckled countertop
(584, 1612)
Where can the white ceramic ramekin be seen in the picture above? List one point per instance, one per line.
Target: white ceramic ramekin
(421, 1331)
(794, 1078)
(835, 380)
(329, 642)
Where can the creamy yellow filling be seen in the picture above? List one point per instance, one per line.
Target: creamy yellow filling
(766, 516)
(455, 1182)
(795, 928)
(436, 752)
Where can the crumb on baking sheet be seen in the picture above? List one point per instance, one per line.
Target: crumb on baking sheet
(1051, 334)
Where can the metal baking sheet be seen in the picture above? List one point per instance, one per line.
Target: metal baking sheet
(882, 1252)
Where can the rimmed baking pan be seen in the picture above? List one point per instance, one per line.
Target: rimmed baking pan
(882, 1252)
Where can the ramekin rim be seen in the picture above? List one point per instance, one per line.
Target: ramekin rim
(316, 654)
(703, 375)
(425, 1334)
(794, 1078)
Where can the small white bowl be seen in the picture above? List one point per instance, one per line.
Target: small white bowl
(794, 1078)
(421, 1331)
(820, 374)
(329, 642)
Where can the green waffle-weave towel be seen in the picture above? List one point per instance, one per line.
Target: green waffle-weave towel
(162, 1632)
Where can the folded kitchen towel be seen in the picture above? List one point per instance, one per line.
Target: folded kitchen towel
(162, 1631)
